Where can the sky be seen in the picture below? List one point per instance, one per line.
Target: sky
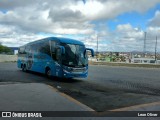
(118, 25)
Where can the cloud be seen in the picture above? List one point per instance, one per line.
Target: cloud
(55, 16)
(124, 27)
(24, 20)
(109, 9)
(66, 15)
(154, 22)
(8, 5)
(125, 38)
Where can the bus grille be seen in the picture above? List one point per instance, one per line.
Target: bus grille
(79, 70)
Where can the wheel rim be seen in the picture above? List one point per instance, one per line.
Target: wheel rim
(24, 68)
(49, 73)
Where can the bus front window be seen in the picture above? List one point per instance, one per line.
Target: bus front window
(74, 55)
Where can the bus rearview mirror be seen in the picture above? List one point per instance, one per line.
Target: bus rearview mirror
(89, 49)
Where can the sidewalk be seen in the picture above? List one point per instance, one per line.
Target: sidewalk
(36, 97)
(42, 97)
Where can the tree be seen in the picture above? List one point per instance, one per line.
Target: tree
(4, 49)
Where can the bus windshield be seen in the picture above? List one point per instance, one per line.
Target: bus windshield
(74, 55)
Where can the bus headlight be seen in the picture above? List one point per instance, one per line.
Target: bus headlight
(65, 71)
(69, 69)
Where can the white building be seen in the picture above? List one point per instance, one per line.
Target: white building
(144, 60)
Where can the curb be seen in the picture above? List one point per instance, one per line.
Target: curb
(72, 99)
(137, 106)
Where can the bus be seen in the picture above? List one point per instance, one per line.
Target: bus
(55, 56)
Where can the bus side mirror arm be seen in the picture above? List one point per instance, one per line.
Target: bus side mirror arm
(92, 51)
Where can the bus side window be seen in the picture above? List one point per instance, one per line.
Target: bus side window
(21, 50)
(38, 47)
(27, 49)
(58, 55)
(53, 49)
(44, 47)
(34, 48)
(53, 46)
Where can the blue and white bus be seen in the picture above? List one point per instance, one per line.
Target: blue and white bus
(54, 56)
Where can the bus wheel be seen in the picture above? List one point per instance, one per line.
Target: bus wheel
(48, 72)
(24, 69)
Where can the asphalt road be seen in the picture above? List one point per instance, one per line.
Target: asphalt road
(106, 87)
(143, 79)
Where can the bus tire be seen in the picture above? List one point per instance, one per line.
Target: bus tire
(24, 69)
(48, 72)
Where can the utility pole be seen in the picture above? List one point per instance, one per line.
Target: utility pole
(156, 50)
(97, 44)
(144, 47)
(97, 47)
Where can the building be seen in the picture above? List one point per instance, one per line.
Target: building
(14, 50)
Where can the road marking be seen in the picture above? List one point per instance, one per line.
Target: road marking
(72, 99)
(136, 106)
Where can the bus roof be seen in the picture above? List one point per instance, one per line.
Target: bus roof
(59, 39)
(67, 40)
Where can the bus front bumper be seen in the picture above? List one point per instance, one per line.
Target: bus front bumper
(75, 74)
